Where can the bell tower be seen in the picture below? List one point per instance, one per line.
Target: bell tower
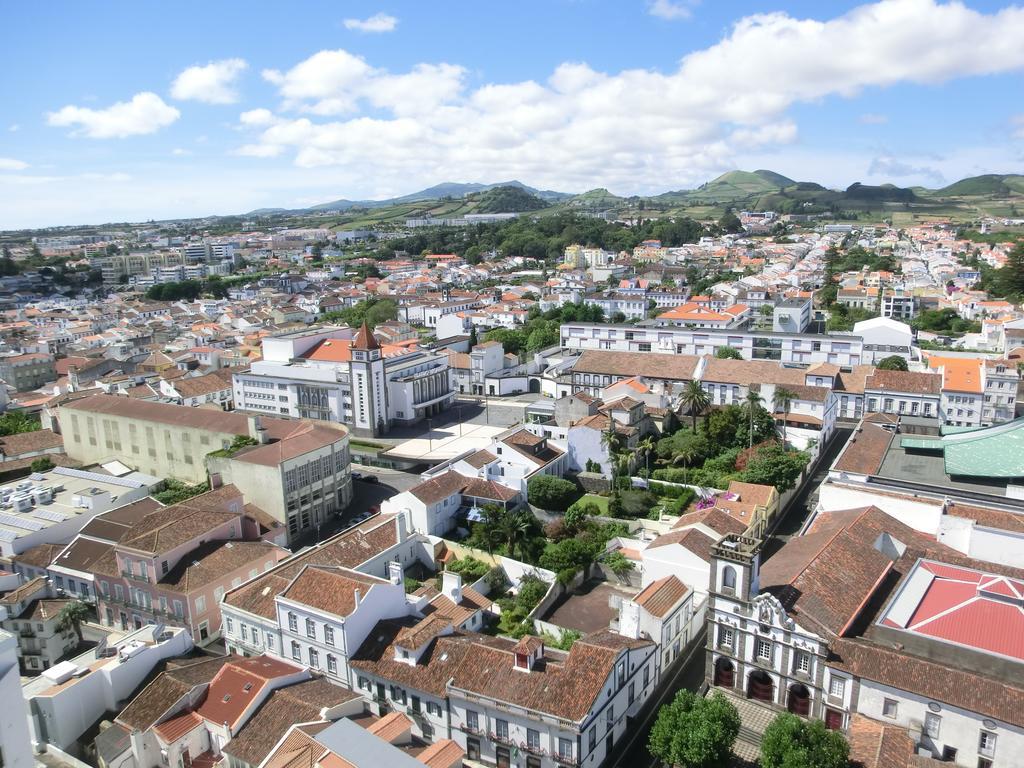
(369, 390)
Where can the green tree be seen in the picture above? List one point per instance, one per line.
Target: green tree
(576, 515)
(42, 464)
(72, 615)
(16, 423)
(695, 400)
(728, 353)
(568, 557)
(695, 732)
(472, 337)
(730, 223)
(782, 400)
(512, 341)
(751, 404)
(549, 492)
(618, 563)
(773, 465)
(790, 742)
(893, 363)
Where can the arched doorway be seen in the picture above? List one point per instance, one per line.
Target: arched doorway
(535, 386)
(725, 672)
(799, 700)
(760, 686)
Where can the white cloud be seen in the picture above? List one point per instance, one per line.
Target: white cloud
(212, 83)
(873, 118)
(889, 167)
(10, 164)
(181, 152)
(671, 9)
(1018, 122)
(13, 127)
(632, 130)
(379, 22)
(257, 117)
(145, 113)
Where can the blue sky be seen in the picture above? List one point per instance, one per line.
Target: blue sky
(134, 110)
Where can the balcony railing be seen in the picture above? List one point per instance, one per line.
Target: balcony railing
(144, 577)
(570, 760)
(498, 738)
(473, 731)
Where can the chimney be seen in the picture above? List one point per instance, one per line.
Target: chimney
(395, 573)
(451, 586)
(256, 430)
(358, 595)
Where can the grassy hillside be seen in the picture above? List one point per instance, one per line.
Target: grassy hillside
(505, 200)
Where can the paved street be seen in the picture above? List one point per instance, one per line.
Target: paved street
(631, 752)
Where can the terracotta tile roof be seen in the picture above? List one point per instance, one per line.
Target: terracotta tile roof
(198, 386)
(691, 539)
(563, 685)
(306, 437)
(451, 482)
(115, 524)
(168, 688)
(911, 382)
(39, 556)
(718, 520)
(444, 753)
(212, 561)
(238, 683)
(391, 727)
(480, 459)
(173, 729)
(28, 442)
(651, 365)
(330, 589)
(660, 596)
(348, 549)
(960, 374)
(866, 448)
(300, 703)
(988, 696)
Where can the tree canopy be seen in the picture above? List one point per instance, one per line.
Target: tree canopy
(790, 742)
(549, 492)
(893, 363)
(695, 732)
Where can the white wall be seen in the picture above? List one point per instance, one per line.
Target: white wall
(958, 728)
(15, 740)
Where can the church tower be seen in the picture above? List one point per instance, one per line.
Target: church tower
(369, 391)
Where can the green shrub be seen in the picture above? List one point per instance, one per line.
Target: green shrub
(470, 569)
(548, 492)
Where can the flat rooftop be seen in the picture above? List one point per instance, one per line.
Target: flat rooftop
(68, 491)
(443, 443)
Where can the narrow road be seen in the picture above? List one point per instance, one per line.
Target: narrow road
(631, 752)
(800, 506)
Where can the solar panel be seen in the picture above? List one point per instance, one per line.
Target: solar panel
(21, 522)
(97, 477)
(6, 535)
(49, 514)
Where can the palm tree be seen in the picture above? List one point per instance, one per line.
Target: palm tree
(611, 440)
(752, 402)
(515, 528)
(647, 447)
(72, 615)
(783, 401)
(695, 400)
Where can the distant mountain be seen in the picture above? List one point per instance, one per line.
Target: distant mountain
(883, 193)
(988, 184)
(438, 192)
(507, 199)
(733, 186)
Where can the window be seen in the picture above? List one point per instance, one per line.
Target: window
(932, 725)
(201, 604)
(564, 747)
(501, 729)
(245, 632)
(729, 579)
(987, 744)
(472, 720)
(632, 692)
(328, 635)
(890, 708)
(332, 664)
(296, 651)
(593, 738)
(293, 622)
(837, 686)
(725, 637)
(764, 650)
(270, 641)
(229, 624)
(647, 675)
(310, 628)
(802, 663)
(532, 739)
(433, 709)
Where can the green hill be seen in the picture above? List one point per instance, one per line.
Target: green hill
(987, 184)
(505, 200)
(887, 193)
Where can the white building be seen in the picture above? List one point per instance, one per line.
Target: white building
(15, 741)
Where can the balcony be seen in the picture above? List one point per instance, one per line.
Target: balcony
(143, 577)
(27, 633)
(471, 730)
(498, 738)
(565, 760)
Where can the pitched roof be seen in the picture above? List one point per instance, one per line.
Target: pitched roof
(658, 597)
(651, 365)
(451, 482)
(912, 382)
(365, 339)
(334, 590)
(691, 539)
(169, 687)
